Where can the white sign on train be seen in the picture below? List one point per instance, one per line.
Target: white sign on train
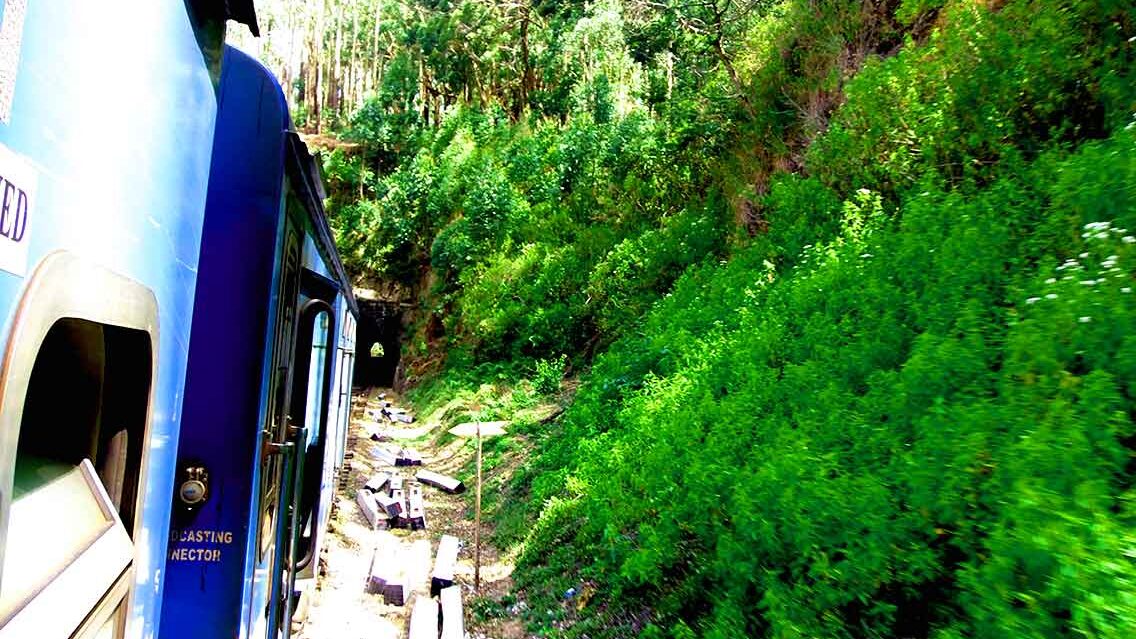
(17, 203)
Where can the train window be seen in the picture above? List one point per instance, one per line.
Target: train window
(317, 370)
(87, 398)
(76, 479)
(74, 411)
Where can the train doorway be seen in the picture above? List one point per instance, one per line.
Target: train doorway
(305, 438)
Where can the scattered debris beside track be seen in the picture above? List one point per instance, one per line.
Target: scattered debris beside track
(349, 602)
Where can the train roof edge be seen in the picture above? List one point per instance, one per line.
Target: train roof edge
(242, 11)
(301, 167)
(305, 175)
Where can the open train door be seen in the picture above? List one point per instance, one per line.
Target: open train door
(307, 417)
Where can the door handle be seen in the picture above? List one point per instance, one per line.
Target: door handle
(278, 448)
(274, 448)
(293, 431)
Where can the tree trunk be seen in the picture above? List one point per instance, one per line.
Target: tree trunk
(354, 94)
(720, 50)
(317, 107)
(423, 90)
(376, 63)
(526, 62)
(335, 87)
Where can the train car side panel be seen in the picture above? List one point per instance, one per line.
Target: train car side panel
(111, 137)
(213, 534)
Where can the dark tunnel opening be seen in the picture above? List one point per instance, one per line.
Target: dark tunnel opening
(379, 323)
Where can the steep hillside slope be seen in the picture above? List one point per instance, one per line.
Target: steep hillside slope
(847, 287)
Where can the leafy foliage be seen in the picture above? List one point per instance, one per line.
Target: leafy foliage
(921, 429)
(850, 284)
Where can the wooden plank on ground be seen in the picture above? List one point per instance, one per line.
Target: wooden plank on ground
(444, 563)
(400, 497)
(382, 455)
(408, 457)
(382, 562)
(438, 480)
(377, 482)
(388, 571)
(370, 508)
(390, 505)
(417, 560)
(453, 625)
(416, 508)
(424, 619)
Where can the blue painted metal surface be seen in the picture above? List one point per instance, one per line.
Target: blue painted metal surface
(229, 360)
(262, 183)
(118, 131)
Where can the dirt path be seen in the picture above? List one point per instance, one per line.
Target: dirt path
(341, 607)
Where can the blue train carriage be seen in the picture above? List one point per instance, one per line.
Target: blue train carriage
(268, 385)
(105, 148)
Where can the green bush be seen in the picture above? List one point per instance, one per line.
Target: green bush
(549, 374)
(853, 301)
(988, 85)
(920, 429)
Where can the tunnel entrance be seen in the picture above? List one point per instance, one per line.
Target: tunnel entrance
(378, 343)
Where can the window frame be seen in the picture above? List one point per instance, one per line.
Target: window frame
(66, 286)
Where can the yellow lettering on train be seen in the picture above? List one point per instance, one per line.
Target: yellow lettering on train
(202, 536)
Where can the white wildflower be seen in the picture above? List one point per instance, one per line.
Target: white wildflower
(1126, 289)
(1051, 296)
(1052, 280)
(1033, 300)
(1084, 319)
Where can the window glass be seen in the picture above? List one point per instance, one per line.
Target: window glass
(316, 373)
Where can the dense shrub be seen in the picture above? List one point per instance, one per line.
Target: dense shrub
(988, 85)
(854, 302)
(920, 430)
